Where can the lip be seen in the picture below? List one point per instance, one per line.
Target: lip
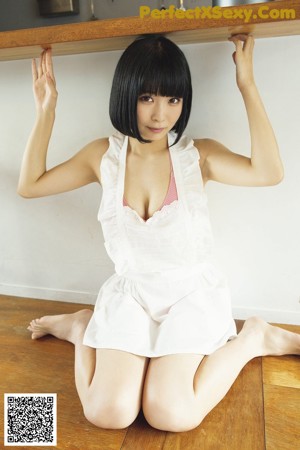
(156, 130)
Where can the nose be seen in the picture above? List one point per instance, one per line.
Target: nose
(158, 111)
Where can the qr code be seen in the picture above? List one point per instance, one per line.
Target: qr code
(30, 419)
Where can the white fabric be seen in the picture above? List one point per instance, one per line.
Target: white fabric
(167, 296)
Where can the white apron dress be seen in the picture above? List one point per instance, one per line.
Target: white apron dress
(166, 295)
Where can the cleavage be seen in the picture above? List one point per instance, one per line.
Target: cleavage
(147, 183)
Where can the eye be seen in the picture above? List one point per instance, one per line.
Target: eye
(175, 100)
(145, 98)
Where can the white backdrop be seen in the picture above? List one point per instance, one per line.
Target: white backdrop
(52, 248)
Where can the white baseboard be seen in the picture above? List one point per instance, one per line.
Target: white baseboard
(270, 315)
(87, 298)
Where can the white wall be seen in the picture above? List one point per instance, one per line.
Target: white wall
(52, 247)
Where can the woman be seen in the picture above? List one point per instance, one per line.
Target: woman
(162, 336)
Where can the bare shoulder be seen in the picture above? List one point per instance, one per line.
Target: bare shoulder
(93, 152)
(99, 145)
(213, 155)
(204, 147)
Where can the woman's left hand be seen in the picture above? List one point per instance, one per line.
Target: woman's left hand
(242, 58)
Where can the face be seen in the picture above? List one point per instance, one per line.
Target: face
(156, 115)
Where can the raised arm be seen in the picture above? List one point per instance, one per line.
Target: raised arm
(264, 167)
(83, 168)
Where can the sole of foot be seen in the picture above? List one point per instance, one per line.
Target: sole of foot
(63, 326)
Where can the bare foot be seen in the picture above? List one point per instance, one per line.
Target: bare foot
(68, 327)
(271, 340)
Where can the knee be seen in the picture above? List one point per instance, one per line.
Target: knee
(173, 416)
(116, 414)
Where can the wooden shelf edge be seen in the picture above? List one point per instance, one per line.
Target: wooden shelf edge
(116, 34)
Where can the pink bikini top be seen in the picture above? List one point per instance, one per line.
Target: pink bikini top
(171, 194)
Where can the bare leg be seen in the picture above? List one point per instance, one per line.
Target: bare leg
(71, 328)
(180, 390)
(257, 338)
(110, 398)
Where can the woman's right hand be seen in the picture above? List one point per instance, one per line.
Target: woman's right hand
(44, 85)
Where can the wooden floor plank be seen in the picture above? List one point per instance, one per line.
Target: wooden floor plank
(283, 371)
(282, 417)
(141, 436)
(236, 423)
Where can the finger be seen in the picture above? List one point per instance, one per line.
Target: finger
(238, 47)
(49, 64)
(233, 57)
(239, 40)
(238, 36)
(40, 68)
(51, 84)
(236, 41)
(249, 44)
(246, 39)
(34, 70)
(44, 63)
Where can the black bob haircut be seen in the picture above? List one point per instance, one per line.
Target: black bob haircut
(152, 65)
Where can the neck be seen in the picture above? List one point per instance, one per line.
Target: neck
(154, 148)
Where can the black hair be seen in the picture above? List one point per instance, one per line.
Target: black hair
(152, 65)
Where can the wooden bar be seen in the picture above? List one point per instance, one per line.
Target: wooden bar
(116, 34)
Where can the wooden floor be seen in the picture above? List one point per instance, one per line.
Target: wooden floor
(260, 412)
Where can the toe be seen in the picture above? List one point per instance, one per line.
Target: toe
(36, 335)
